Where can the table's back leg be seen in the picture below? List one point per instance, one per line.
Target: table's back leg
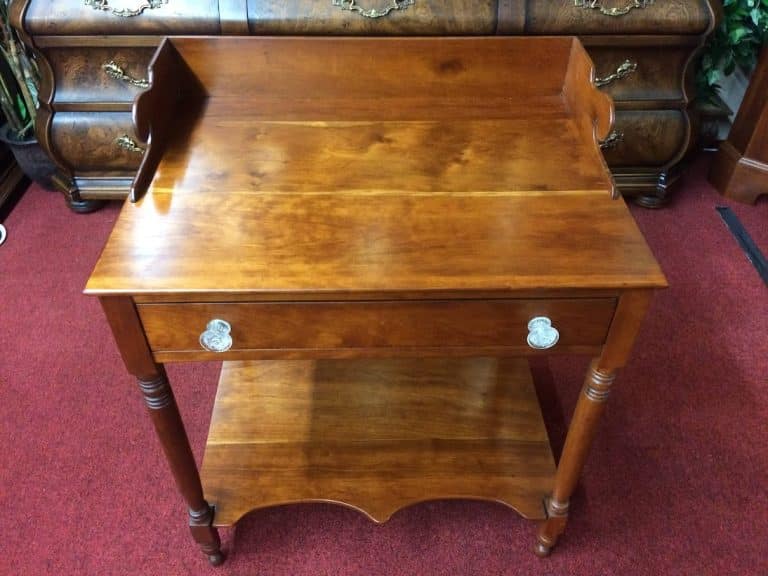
(589, 407)
(166, 419)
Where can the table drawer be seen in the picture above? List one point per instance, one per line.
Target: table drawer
(423, 17)
(641, 73)
(81, 73)
(367, 325)
(649, 137)
(618, 17)
(96, 141)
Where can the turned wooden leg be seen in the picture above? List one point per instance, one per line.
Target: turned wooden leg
(169, 427)
(581, 432)
(161, 405)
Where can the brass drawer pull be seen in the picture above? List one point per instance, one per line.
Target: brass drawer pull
(626, 68)
(127, 143)
(598, 5)
(113, 70)
(541, 334)
(373, 12)
(216, 337)
(614, 139)
(104, 6)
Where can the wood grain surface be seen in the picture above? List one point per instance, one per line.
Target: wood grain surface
(375, 435)
(662, 17)
(740, 168)
(350, 246)
(65, 17)
(424, 17)
(276, 191)
(329, 326)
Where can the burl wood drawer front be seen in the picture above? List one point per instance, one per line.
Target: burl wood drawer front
(641, 73)
(650, 137)
(130, 17)
(96, 141)
(99, 74)
(365, 325)
(661, 17)
(424, 17)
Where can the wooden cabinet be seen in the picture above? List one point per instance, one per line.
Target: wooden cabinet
(740, 169)
(96, 54)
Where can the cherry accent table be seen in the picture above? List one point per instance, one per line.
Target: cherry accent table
(373, 234)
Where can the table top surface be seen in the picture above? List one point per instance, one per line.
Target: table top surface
(296, 197)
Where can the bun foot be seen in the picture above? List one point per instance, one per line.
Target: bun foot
(84, 206)
(216, 559)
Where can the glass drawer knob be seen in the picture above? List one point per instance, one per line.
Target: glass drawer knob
(216, 337)
(541, 333)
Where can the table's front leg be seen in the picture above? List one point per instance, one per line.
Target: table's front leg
(589, 407)
(161, 404)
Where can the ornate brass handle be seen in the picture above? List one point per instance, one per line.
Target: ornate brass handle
(541, 333)
(614, 139)
(373, 12)
(104, 6)
(216, 337)
(626, 68)
(113, 70)
(127, 143)
(598, 5)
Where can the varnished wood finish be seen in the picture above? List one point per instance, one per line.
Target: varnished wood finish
(667, 129)
(87, 142)
(363, 325)
(425, 17)
(376, 435)
(740, 169)
(168, 106)
(360, 220)
(164, 413)
(657, 78)
(663, 17)
(305, 244)
(662, 38)
(232, 14)
(68, 17)
(589, 408)
(80, 78)
(451, 163)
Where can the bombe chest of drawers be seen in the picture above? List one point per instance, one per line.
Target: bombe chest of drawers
(95, 55)
(374, 268)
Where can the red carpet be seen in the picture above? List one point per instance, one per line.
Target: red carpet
(676, 483)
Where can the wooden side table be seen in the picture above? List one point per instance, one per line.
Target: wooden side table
(368, 232)
(740, 168)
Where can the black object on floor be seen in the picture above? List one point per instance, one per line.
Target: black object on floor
(745, 241)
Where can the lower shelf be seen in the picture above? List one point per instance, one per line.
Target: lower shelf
(376, 435)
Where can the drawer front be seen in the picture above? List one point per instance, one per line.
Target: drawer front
(650, 137)
(578, 17)
(88, 141)
(99, 74)
(423, 17)
(366, 325)
(641, 72)
(101, 17)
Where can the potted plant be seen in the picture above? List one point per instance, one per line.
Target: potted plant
(735, 44)
(19, 81)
